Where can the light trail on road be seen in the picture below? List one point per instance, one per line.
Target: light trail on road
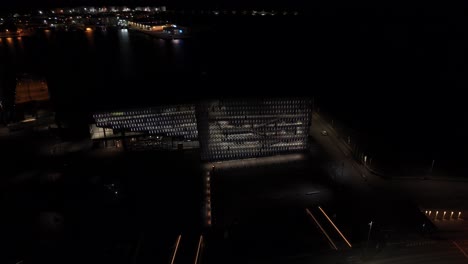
(198, 249)
(176, 248)
(339, 232)
(323, 230)
(461, 249)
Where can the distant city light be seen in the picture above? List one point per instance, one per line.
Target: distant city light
(89, 29)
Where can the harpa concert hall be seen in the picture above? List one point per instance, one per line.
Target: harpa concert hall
(222, 129)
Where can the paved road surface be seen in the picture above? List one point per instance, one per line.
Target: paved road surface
(354, 175)
(441, 252)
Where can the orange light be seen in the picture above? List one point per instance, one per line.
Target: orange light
(157, 28)
(89, 29)
(198, 249)
(176, 248)
(321, 228)
(339, 232)
(461, 249)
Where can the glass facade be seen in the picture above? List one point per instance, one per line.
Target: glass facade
(235, 129)
(174, 121)
(225, 129)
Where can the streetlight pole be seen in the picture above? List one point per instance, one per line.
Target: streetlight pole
(432, 167)
(368, 235)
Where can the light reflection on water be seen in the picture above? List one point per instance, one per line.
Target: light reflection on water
(99, 63)
(126, 53)
(90, 37)
(20, 44)
(11, 45)
(48, 34)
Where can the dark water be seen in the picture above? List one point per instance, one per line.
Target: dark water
(393, 78)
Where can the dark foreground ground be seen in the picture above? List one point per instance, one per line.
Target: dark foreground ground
(95, 207)
(108, 206)
(259, 213)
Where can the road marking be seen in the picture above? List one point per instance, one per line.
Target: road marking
(339, 232)
(176, 248)
(461, 249)
(198, 249)
(323, 230)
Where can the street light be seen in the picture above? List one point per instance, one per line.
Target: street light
(368, 235)
(432, 167)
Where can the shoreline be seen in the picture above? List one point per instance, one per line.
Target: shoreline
(161, 35)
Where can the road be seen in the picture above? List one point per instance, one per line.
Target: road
(451, 245)
(433, 253)
(345, 170)
(440, 193)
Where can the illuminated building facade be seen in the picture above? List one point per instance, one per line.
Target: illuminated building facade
(31, 89)
(235, 129)
(31, 98)
(225, 129)
(174, 121)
